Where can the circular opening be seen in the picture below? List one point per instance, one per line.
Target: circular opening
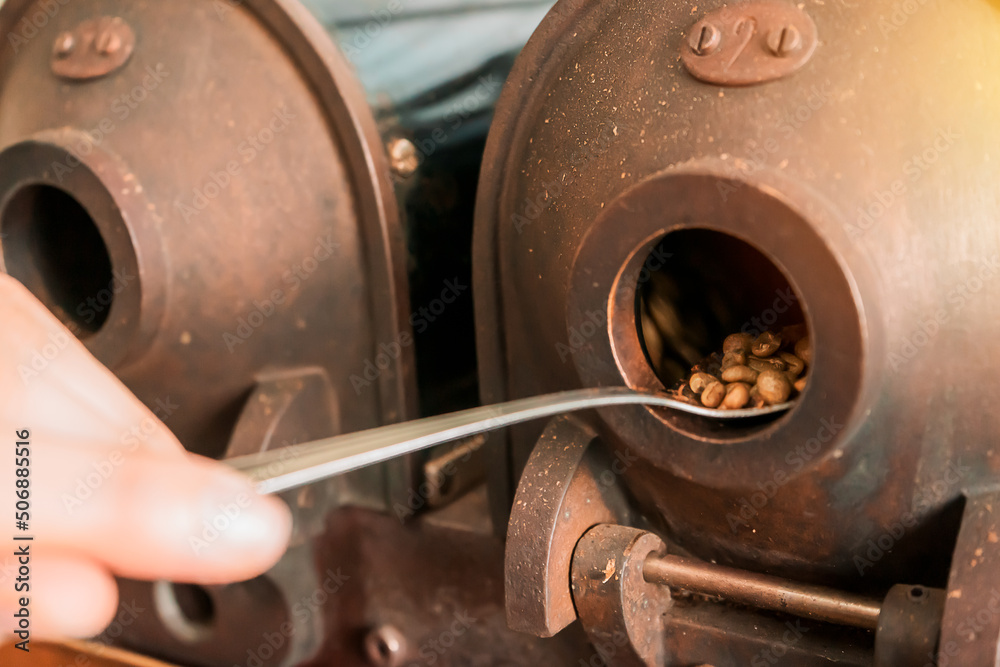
(916, 593)
(186, 609)
(701, 287)
(52, 245)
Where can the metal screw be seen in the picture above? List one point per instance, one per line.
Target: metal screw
(706, 40)
(65, 43)
(385, 646)
(108, 42)
(784, 41)
(403, 158)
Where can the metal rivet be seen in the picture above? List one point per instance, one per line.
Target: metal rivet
(403, 158)
(65, 43)
(385, 646)
(108, 42)
(705, 40)
(784, 41)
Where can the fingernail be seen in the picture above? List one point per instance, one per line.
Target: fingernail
(243, 519)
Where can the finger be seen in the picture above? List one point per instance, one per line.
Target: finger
(47, 376)
(66, 596)
(144, 517)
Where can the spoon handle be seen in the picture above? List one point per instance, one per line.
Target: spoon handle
(275, 471)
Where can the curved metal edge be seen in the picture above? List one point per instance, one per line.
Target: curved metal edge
(486, 277)
(352, 121)
(353, 125)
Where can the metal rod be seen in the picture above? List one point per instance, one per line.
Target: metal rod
(764, 592)
(275, 471)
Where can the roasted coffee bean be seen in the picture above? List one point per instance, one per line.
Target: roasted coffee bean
(771, 364)
(713, 394)
(766, 344)
(737, 396)
(734, 359)
(795, 366)
(804, 351)
(699, 381)
(753, 371)
(740, 342)
(740, 374)
(774, 387)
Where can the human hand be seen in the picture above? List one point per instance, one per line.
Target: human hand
(148, 499)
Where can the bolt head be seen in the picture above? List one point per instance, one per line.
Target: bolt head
(705, 39)
(385, 646)
(403, 157)
(108, 42)
(784, 41)
(64, 45)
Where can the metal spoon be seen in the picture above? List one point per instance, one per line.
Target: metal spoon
(274, 471)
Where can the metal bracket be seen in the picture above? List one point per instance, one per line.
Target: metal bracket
(621, 612)
(567, 487)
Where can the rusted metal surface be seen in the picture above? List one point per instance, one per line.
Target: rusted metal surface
(205, 191)
(395, 579)
(909, 627)
(226, 239)
(764, 592)
(92, 49)
(285, 408)
(621, 612)
(699, 632)
(750, 43)
(605, 144)
(970, 632)
(568, 486)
